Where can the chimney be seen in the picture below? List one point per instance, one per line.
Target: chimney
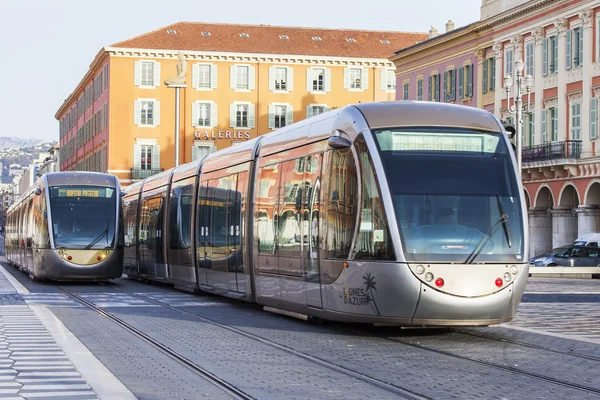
(433, 32)
(449, 26)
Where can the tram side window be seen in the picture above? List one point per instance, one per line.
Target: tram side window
(180, 217)
(266, 210)
(130, 214)
(41, 238)
(341, 204)
(373, 241)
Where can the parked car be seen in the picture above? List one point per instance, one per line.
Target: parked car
(568, 256)
(588, 239)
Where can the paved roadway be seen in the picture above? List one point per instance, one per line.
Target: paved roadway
(551, 350)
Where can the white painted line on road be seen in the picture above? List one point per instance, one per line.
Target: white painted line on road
(102, 381)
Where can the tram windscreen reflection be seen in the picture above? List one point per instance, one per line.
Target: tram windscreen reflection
(449, 189)
(83, 217)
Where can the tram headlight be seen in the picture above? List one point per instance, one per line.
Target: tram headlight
(514, 270)
(507, 277)
(420, 269)
(429, 277)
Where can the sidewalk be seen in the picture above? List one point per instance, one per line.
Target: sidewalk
(40, 358)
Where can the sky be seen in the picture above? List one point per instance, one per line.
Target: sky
(47, 46)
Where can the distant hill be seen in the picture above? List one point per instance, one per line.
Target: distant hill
(15, 142)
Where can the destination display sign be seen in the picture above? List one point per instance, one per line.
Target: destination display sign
(71, 191)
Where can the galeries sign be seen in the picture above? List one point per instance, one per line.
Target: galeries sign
(198, 134)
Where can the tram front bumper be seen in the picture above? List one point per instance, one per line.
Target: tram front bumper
(436, 308)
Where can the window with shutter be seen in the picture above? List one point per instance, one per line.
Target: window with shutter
(420, 89)
(281, 79)
(243, 78)
(280, 114)
(593, 118)
(204, 76)
(147, 71)
(147, 113)
(355, 76)
(391, 80)
(241, 116)
(202, 115)
(576, 121)
(318, 80)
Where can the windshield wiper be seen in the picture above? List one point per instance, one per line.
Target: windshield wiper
(490, 233)
(97, 239)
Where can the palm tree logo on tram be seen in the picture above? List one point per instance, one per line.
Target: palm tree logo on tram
(370, 289)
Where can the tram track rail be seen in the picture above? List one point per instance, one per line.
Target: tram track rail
(488, 364)
(194, 367)
(398, 391)
(404, 393)
(366, 333)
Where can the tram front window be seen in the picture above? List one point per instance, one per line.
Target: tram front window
(450, 189)
(83, 217)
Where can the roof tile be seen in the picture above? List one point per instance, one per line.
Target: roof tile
(265, 39)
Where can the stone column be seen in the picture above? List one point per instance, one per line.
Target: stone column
(499, 89)
(588, 38)
(564, 226)
(540, 231)
(563, 126)
(538, 75)
(588, 219)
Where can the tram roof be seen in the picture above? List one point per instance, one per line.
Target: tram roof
(405, 113)
(80, 178)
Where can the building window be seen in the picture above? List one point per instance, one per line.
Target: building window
(146, 74)
(574, 48)
(450, 85)
(550, 55)
(280, 115)
(549, 125)
(242, 77)
(146, 162)
(576, 121)
(241, 115)
(530, 128)
(434, 88)
(420, 89)
(318, 80)
(529, 60)
(405, 90)
(204, 114)
(202, 149)
(280, 79)
(316, 109)
(465, 81)
(508, 62)
(593, 118)
(204, 76)
(355, 78)
(147, 112)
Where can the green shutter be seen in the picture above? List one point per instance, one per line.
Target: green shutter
(593, 118)
(485, 76)
(545, 56)
(569, 48)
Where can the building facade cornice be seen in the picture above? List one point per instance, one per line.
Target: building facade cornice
(249, 57)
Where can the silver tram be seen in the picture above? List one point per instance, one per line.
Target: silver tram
(67, 226)
(403, 213)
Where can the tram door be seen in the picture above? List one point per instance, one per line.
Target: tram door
(310, 229)
(237, 188)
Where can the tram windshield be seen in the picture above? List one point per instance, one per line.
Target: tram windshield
(83, 217)
(455, 194)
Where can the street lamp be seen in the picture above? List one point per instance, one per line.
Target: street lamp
(523, 84)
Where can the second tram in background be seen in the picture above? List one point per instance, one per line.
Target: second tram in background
(67, 227)
(406, 213)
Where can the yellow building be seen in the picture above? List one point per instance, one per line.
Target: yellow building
(241, 81)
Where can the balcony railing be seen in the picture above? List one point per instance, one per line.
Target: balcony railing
(552, 151)
(144, 173)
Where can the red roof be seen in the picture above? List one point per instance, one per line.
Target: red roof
(267, 39)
